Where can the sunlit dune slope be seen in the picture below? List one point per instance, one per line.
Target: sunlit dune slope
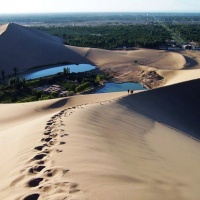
(144, 57)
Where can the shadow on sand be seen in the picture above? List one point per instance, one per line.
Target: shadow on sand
(177, 106)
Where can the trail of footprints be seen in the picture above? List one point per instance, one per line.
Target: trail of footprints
(44, 179)
(40, 167)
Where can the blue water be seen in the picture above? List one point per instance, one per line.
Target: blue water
(55, 70)
(120, 87)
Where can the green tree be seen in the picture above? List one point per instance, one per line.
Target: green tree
(66, 70)
(54, 95)
(82, 87)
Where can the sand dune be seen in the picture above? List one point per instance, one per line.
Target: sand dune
(175, 105)
(103, 146)
(189, 72)
(24, 48)
(172, 77)
(146, 57)
(30, 133)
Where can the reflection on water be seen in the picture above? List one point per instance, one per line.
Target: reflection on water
(55, 70)
(119, 87)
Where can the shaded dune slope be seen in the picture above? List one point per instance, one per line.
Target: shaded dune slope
(24, 47)
(176, 106)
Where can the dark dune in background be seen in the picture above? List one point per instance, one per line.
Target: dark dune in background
(177, 106)
(25, 47)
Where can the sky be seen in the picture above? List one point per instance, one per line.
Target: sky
(56, 6)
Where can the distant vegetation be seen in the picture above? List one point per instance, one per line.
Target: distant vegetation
(21, 90)
(110, 37)
(115, 30)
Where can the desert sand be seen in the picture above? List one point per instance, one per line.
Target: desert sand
(103, 146)
(114, 146)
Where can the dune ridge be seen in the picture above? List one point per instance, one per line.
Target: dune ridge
(133, 154)
(114, 146)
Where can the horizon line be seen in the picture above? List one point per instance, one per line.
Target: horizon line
(84, 12)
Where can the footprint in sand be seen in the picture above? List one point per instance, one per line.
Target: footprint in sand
(52, 143)
(44, 162)
(59, 150)
(50, 123)
(73, 188)
(58, 188)
(46, 139)
(61, 143)
(47, 133)
(34, 182)
(47, 127)
(39, 157)
(63, 135)
(39, 148)
(41, 162)
(32, 197)
(46, 151)
(55, 172)
(36, 169)
(54, 135)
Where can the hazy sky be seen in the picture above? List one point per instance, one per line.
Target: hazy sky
(40, 6)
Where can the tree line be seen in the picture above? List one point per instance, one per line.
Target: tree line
(110, 37)
(22, 90)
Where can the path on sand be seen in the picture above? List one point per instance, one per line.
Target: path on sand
(40, 178)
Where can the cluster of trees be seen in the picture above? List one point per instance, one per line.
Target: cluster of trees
(21, 90)
(110, 37)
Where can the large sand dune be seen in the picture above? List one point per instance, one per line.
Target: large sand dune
(103, 146)
(24, 48)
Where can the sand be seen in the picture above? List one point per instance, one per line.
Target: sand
(112, 146)
(103, 146)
